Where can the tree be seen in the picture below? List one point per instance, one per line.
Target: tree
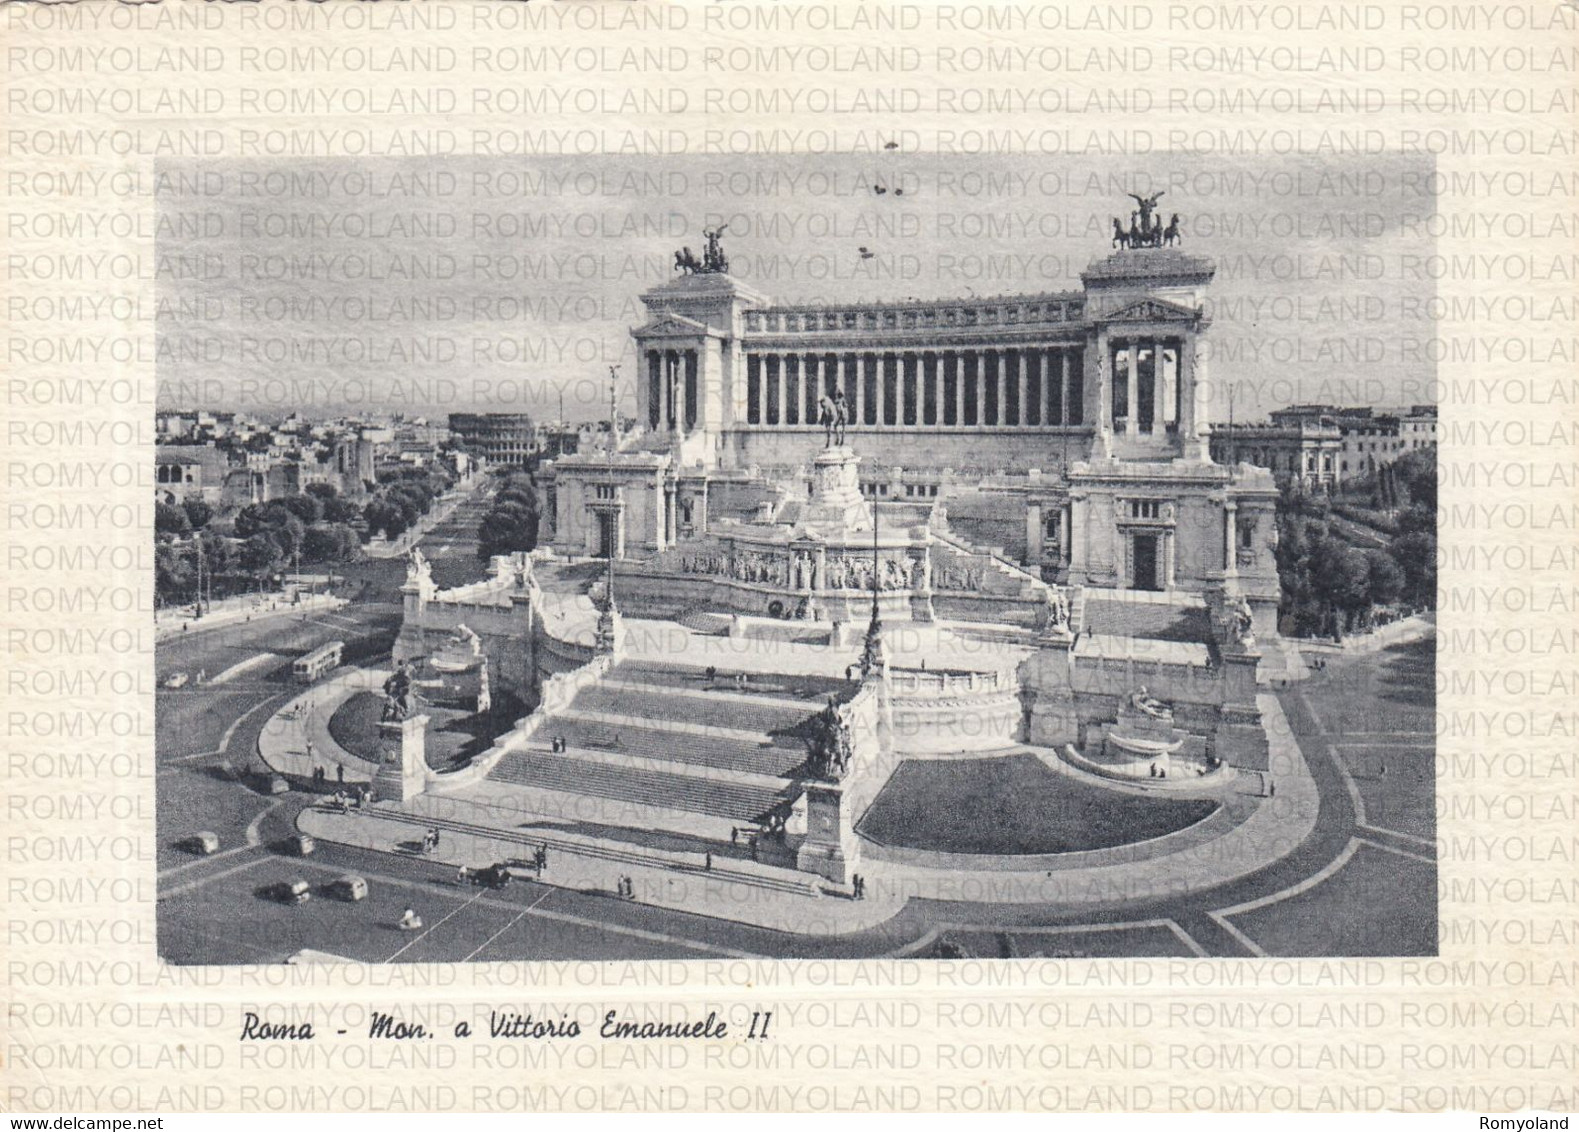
(1386, 580)
(383, 515)
(1415, 553)
(1340, 578)
(307, 508)
(330, 542)
(340, 510)
(170, 519)
(260, 554)
(174, 572)
(198, 513)
(507, 528)
(250, 520)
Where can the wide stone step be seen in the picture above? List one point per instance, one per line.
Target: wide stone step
(772, 686)
(690, 750)
(1116, 617)
(647, 787)
(716, 709)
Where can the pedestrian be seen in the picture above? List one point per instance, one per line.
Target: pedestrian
(339, 770)
(734, 835)
(712, 671)
(435, 838)
(707, 862)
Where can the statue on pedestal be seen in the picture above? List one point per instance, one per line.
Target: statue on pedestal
(831, 414)
(397, 696)
(1145, 703)
(832, 745)
(1241, 620)
(418, 571)
(1057, 608)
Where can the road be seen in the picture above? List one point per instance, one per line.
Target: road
(1364, 882)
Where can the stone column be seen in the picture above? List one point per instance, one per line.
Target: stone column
(1192, 386)
(959, 387)
(1020, 415)
(1132, 386)
(1104, 390)
(860, 390)
(981, 387)
(1077, 537)
(671, 523)
(1170, 558)
(783, 393)
(881, 386)
(1159, 407)
(1230, 527)
(1063, 534)
(937, 387)
(762, 389)
(1003, 387)
(665, 387)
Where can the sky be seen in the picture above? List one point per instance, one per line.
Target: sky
(428, 286)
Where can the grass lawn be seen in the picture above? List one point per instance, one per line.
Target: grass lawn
(1014, 805)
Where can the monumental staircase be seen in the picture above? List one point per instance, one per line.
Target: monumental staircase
(663, 753)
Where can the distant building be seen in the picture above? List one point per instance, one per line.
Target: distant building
(1308, 452)
(499, 438)
(190, 471)
(1371, 438)
(1417, 427)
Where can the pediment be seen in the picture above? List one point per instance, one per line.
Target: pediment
(1153, 310)
(671, 326)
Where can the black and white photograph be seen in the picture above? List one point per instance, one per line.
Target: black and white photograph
(834, 557)
(862, 555)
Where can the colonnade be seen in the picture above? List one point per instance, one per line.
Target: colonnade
(1000, 387)
(1126, 367)
(672, 392)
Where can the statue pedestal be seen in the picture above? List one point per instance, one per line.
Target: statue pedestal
(836, 492)
(610, 632)
(828, 833)
(1241, 736)
(1050, 717)
(402, 774)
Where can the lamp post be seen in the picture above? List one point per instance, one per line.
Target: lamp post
(872, 657)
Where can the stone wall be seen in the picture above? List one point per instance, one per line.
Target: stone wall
(555, 695)
(935, 712)
(988, 450)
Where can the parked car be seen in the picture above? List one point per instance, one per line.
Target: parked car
(175, 680)
(301, 844)
(350, 887)
(293, 891)
(204, 844)
(278, 784)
